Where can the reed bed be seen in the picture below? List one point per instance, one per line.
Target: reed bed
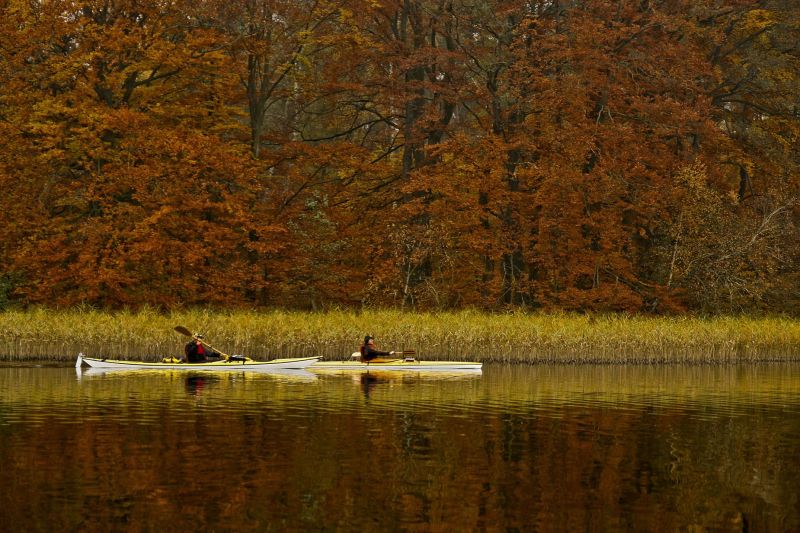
(59, 335)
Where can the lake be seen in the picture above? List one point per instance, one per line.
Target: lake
(518, 448)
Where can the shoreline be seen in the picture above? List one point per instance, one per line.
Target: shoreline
(40, 334)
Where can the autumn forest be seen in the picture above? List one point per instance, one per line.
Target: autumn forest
(581, 155)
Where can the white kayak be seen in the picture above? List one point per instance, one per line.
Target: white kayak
(281, 374)
(238, 364)
(407, 365)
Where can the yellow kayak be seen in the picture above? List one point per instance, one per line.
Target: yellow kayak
(403, 364)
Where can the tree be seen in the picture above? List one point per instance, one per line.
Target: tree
(422, 153)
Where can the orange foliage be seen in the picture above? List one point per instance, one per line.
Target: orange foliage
(398, 153)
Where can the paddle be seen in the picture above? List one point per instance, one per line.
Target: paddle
(184, 331)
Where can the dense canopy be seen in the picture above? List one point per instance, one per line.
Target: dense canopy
(581, 155)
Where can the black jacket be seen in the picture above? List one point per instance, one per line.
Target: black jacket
(368, 353)
(198, 354)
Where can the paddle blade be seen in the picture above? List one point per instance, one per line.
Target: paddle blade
(183, 331)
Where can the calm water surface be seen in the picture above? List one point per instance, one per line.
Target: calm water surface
(541, 448)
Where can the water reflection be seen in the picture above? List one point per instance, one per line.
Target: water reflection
(196, 384)
(518, 448)
(370, 381)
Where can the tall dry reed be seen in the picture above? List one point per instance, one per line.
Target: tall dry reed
(43, 334)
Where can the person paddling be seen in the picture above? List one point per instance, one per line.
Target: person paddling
(197, 352)
(368, 350)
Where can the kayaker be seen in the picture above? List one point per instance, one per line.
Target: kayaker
(197, 352)
(368, 350)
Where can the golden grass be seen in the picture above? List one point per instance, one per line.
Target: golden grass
(42, 334)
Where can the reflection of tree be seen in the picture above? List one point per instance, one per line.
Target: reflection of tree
(277, 458)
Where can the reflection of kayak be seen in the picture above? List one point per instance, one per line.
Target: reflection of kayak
(407, 365)
(238, 365)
